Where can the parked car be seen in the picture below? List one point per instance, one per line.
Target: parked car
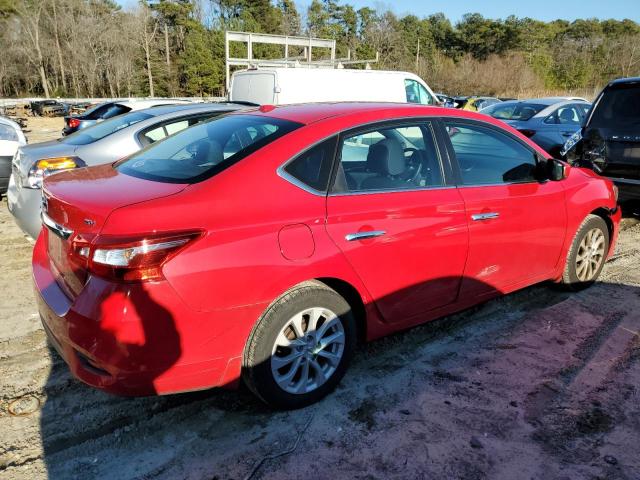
(48, 108)
(263, 243)
(11, 137)
(281, 86)
(609, 141)
(107, 110)
(475, 104)
(549, 122)
(445, 100)
(103, 143)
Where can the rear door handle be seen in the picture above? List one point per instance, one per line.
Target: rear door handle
(350, 237)
(484, 216)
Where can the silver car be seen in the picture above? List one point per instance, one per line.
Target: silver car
(102, 143)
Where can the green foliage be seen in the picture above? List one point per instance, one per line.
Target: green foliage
(187, 52)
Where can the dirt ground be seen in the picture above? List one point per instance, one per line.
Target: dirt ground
(540, 384)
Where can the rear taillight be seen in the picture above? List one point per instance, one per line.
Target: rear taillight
(527, 133)
(131, 259)
(73, 123)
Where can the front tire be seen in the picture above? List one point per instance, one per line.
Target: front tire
(587, 254)
(301, 347)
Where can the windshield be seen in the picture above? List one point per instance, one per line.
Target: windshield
(103, 129)
(204, 150)
(514, 111)
(619, 107)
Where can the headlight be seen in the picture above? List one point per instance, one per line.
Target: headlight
(47, 166)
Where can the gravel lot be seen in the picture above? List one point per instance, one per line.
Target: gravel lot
(540, 384)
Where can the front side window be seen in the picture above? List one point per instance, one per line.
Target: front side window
(206, 149)
(104, 129)
(416, 93)
(488, 157)
(400, 158)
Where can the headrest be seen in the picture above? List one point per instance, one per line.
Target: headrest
(386, 157)
(567, 115)
(209, 151)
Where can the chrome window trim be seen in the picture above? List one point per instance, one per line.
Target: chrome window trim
(298, 183)
(280, 171)
(394, 190)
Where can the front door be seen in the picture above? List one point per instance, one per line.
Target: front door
(396, 220)
(517, 221)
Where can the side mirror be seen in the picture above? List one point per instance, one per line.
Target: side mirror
(557, 169)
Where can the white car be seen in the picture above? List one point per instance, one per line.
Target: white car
(11, 137)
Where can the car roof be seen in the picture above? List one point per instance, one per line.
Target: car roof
(187, 108)
(147, 103)
(8, 121)
(548, 101)
(623, 81)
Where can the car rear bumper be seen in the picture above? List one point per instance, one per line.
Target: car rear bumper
(24, 204)
(139, 339)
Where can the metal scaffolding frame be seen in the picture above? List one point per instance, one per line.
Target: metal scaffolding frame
(306, 59)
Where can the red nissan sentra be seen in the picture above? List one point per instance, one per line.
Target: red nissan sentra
(263, 244)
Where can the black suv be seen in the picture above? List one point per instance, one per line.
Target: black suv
(610, 136)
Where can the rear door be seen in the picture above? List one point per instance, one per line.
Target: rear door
(397, 218)
(516, 222)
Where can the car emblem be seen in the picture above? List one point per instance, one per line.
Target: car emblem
(89, 222)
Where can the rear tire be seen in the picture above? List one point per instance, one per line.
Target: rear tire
(300, 348)
(587, 254)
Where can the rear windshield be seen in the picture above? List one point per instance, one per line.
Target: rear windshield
(104, 111)
(619, 107)
(204, 150)
(514, 111)
(103, 129)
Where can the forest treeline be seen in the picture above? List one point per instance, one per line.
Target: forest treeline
(94, 48)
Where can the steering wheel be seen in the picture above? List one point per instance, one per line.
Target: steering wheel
(414, 165)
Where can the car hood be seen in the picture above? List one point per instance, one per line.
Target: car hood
(29, 154)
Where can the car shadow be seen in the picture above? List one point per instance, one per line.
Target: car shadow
(87, 433)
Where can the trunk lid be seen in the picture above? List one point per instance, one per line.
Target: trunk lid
(75, 206)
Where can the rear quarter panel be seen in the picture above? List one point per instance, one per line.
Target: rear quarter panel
(239, 262)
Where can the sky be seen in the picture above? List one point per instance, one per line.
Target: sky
(539, 9)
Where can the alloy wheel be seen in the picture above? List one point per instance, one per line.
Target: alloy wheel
(590, 255)
(308, 350)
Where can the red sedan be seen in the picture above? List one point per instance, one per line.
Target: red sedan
(262, 245)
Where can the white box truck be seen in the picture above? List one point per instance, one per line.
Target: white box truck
(281, 86)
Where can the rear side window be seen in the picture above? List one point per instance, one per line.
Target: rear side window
(619, 107)
(313, 167)
(488, 157)
(565, 115)
(163, 130)
(514, 111)
(206, 149)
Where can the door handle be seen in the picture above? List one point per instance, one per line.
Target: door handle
(484, 216)
(350, 237)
